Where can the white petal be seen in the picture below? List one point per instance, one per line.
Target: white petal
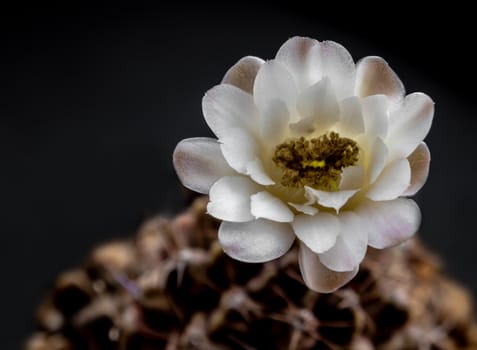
(311, 199)
(242, 74)
(255, 241)
(390, 222)
(409, 124)
(274, 82)
(317, 276)
(295, 55)
(375, 115)
(328, 199)
(303, 127)
(318, 232)
(419, 160)
(378, 157)
(226, 106)
(392, 182)
(318, 101)
(304, 208)
(258, 174)
(334, 61)
(274, 121)
(239, 148)
(375, 77)
(351, 244)
(199, 163)
(230, 198)
(351, 119)
(352, 178)
(265, 205)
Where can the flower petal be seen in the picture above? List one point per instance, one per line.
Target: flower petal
(303, 127)
(352, 178)
(392, 182)
(199, 163)
(375, 115)
(230, 198)
(274, 121)
(419, 160)
(295, 55)
(317, 276)
(274, 82)
(375, 77)
(332, 60)
(318, 232)
(258, 174)
(265, 205)
(239, 148)
(226, 106)
(351, 119)
(318, 101)
(328, 199)
(242, 74)
(409, 124)
(378, 157)
(351, 244)
(390, 222)
(304, 208)
(255, 241)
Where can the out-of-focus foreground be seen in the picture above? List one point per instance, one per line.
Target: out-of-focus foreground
(172, 287)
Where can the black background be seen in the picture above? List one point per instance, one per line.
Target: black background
(93, 101)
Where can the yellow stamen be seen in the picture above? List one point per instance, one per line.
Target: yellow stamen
(313, 163)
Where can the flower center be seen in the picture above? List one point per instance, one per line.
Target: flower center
(317, 162)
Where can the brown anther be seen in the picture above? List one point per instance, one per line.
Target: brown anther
(317, 162)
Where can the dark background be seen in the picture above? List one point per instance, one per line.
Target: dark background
(93, 101)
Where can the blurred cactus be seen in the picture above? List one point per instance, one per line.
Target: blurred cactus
(172, 287)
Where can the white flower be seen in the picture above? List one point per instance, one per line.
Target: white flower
(313, 146)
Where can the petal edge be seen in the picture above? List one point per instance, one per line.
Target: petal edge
(255, 241)
(199, 163)
(317, 276)
(390, 222)
(242, 74)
